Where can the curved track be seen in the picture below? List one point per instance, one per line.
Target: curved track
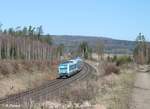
(46, 89)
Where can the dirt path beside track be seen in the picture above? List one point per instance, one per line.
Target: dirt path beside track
(141, 90)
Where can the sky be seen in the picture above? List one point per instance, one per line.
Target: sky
(118, 19)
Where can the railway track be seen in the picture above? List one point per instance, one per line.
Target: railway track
(46, 89)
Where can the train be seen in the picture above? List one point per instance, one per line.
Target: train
(70, 67)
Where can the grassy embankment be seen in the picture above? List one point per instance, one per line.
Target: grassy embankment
(111, 91)
(17, 76)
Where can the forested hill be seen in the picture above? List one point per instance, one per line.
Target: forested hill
(111, 45)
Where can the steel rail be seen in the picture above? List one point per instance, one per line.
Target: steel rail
(47, 88)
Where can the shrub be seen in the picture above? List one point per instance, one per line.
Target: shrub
(114, 58)
(84, 91)
(122, 60)
(6, 68)
(109, 58)
(148, 61)
(111, 68)
(119, 60)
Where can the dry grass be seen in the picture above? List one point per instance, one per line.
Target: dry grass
(110, 92)
(17, 76)
(96, 92)
(111, 68)
(79, 92)
(115, 88)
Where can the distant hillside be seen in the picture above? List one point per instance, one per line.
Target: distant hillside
(111, 45)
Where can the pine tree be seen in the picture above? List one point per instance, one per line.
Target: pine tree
(140, 50)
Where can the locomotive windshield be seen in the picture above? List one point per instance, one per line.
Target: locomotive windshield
(67, 62)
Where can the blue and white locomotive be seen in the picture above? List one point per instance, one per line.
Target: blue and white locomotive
(70, 67)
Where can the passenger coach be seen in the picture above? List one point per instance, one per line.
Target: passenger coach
(70, 67)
